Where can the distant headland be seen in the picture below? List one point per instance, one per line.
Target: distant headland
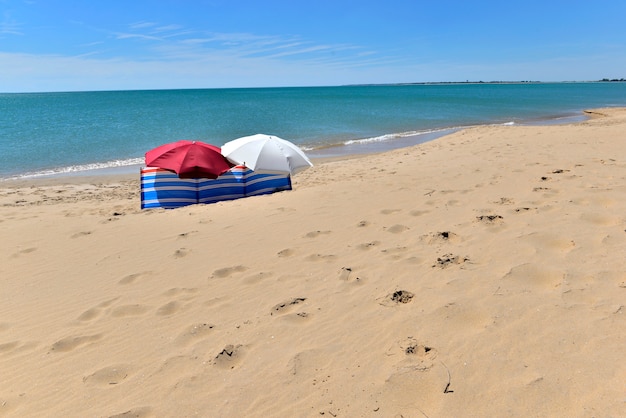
(421, 83)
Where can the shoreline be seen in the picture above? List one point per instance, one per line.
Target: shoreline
(343, 151)
(477, 273)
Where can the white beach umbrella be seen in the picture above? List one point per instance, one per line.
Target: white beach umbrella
(266, 154)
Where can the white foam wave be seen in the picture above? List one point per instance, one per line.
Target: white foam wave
(389, 137)
(81, 168)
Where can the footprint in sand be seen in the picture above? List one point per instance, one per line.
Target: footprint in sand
(448, 260)
(525, 277)
(186, 292)
(307, 364)
(70, 343)
(320, 257)
(256, 278)
(368, 245)
(524, 209)
(229, 357)
(440, 237)
(24, 251)
(418, 380)
(194, 332)
(504, 201)
(547, 192)
(81, 234)
(297, 317)
(171, 308)
(228, 271)
(395, 253)
(132, 278)
(181, 252)
(314, 234)
(8, 347)
(15, 347)
(139, 412)
(111, 375)
(345, 273)
(410, 388)
(397, 297)
(600, 219)
(287, 252)
(490, 219)
(186, 234)
(396, 229)
(390, 211)
(92, 313)
(549, 241)
(129, 310)
(286, 306)
(412, 351)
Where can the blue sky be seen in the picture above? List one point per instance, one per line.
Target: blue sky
(69, 45)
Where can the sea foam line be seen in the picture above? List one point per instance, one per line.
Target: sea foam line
(80, 168)
(389, 137)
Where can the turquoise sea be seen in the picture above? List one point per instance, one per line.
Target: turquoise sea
(77, 132)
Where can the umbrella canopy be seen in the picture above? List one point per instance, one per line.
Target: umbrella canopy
(266, 153)
(189, 159)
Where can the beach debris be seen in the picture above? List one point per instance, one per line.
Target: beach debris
(447, 388)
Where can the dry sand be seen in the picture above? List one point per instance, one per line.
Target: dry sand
(482, 274)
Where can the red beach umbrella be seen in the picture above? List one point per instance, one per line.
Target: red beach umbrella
(189, 159)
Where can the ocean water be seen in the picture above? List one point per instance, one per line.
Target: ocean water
(76, 132)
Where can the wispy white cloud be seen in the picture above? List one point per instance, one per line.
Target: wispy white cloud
(168, 28)
(90, 44)
(142, 25)
(184, 43)
(9, 26)
(300, 51)
(150, 55)
(122, 35)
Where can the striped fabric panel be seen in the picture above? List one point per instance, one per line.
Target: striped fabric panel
(164, 189)
(258, 184)
(228, 186)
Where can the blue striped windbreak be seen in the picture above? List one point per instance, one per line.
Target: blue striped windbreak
(164, 189)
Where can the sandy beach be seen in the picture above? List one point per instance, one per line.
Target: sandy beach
(482, 274)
